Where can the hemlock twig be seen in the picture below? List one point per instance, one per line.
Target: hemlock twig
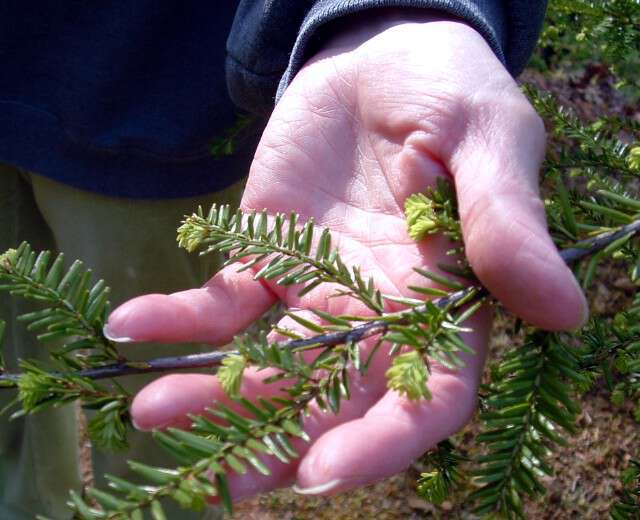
(470, 294)
(213, 359)
(596, 244)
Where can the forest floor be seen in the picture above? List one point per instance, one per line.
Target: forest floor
(587, 470)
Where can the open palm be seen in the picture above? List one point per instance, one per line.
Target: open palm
(380, 114)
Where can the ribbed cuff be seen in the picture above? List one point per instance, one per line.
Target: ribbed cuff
(485, 16)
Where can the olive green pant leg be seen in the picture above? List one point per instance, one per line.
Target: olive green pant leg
(38, 454)
(131, 244)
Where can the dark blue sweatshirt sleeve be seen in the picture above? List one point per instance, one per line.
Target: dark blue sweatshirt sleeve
(271, 39)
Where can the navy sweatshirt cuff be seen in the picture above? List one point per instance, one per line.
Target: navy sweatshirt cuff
(485, 16)
(269, 43)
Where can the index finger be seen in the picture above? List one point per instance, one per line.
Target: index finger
(214, 313)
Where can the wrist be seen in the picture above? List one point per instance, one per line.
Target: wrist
(349, 32)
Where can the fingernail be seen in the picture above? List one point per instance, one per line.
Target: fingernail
(111, 336)
(319, 489)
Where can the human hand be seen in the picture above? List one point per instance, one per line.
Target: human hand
(380, 114)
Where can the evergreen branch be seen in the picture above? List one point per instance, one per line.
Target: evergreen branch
(599, 243)
(599, 149)
(213, 450)
(610, 350)
(579, 33)
(434, 212)
(444, 475)
(73, 308)
(625, 13)
(276, 242)
(208, 451)
(420, 326)
(74, 314)
(528, 402)
(214, 359)
(355, 334)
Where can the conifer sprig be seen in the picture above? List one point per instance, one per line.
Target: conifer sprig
(340, 330)
(610, 351)
(70, 319)
(283, 251)
(225, 442)
(72, 307)
(597, 31)
(349, 335)
(280, 246)
(529, 402)
(598, 148)
(221, 449)
(444, 472)
(428, 328)
(434, 212)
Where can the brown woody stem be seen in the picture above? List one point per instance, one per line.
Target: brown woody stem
(371, 328)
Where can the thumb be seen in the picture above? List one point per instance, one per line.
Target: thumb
(495, 168)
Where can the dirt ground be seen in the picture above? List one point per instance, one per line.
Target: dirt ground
(586, 471)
